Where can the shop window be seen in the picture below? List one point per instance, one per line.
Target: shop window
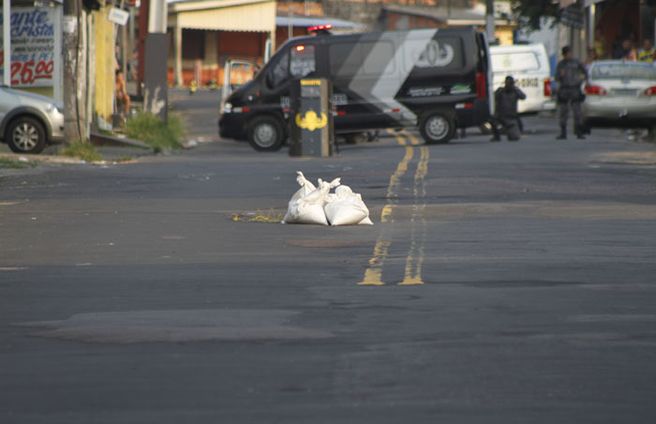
(193, 44)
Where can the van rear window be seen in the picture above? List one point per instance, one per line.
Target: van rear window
(624, 71)
(515, 62)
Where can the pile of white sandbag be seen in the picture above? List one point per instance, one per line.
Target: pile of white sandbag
(317, 205)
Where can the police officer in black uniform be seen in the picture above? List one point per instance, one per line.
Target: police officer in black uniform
(570, 74)
(505, 101)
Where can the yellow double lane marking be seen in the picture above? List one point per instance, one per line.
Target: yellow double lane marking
(415, 259)
(373, 275)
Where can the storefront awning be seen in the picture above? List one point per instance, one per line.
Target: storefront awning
(228, 15)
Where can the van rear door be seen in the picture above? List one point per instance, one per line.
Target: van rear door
(485, 67)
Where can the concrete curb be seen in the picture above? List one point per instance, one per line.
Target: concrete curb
(98, 139)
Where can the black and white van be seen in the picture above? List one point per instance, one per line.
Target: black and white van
(433, 79)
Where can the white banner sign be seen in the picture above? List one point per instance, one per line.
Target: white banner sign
(118, 16)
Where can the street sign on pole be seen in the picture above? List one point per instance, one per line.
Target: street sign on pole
(572, 16)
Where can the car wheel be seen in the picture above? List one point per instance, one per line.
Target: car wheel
(265, 134)
(26, 135)
(437, 127)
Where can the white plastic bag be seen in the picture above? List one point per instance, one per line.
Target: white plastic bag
(346, 208)
(307, 206)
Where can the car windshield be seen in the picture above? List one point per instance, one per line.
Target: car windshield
(624, 71)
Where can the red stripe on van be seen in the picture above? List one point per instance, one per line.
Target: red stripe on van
(481, 86)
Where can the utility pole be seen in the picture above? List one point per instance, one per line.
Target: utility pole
(144, 8)
(6, 40)
(155, 60)
(489, 20)
(75, 122)
(290, 26)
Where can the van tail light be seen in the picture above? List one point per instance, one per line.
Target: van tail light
(547, 87)
(481, 86)
(651, 91)
(595, 90)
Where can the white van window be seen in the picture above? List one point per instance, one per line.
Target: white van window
(303, 60)
(515, 62)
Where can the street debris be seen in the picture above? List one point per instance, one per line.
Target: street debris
(316, 205)
(627, 158)
(265, 217)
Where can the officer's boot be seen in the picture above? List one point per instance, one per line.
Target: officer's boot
(563, 133)
(579, 132)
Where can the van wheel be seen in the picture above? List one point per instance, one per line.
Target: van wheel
(265, 134)
(437, 127)
(26, 135)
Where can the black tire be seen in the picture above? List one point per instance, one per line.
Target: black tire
(438, 126)
(26, 135)
(372, 135)
(265, 134)
(355, 138)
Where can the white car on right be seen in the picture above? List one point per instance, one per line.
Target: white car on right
(620, 94)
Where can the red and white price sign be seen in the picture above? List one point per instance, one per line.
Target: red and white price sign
(31, 73)
(32, 47)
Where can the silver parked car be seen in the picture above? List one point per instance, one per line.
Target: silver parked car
(29, 122)
(620, 94)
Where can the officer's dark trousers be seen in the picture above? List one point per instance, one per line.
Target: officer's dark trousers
(509, 124)
(564, 105)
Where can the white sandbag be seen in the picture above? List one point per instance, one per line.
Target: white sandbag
(309, 208)
(346, 208)
(306, 187)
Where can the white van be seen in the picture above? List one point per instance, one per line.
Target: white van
(529, 66)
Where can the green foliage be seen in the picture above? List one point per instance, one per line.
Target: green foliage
(10, 163)
(531, 12)
(82, 150)
(151, 130)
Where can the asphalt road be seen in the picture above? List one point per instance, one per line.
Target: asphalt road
(504, 283)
